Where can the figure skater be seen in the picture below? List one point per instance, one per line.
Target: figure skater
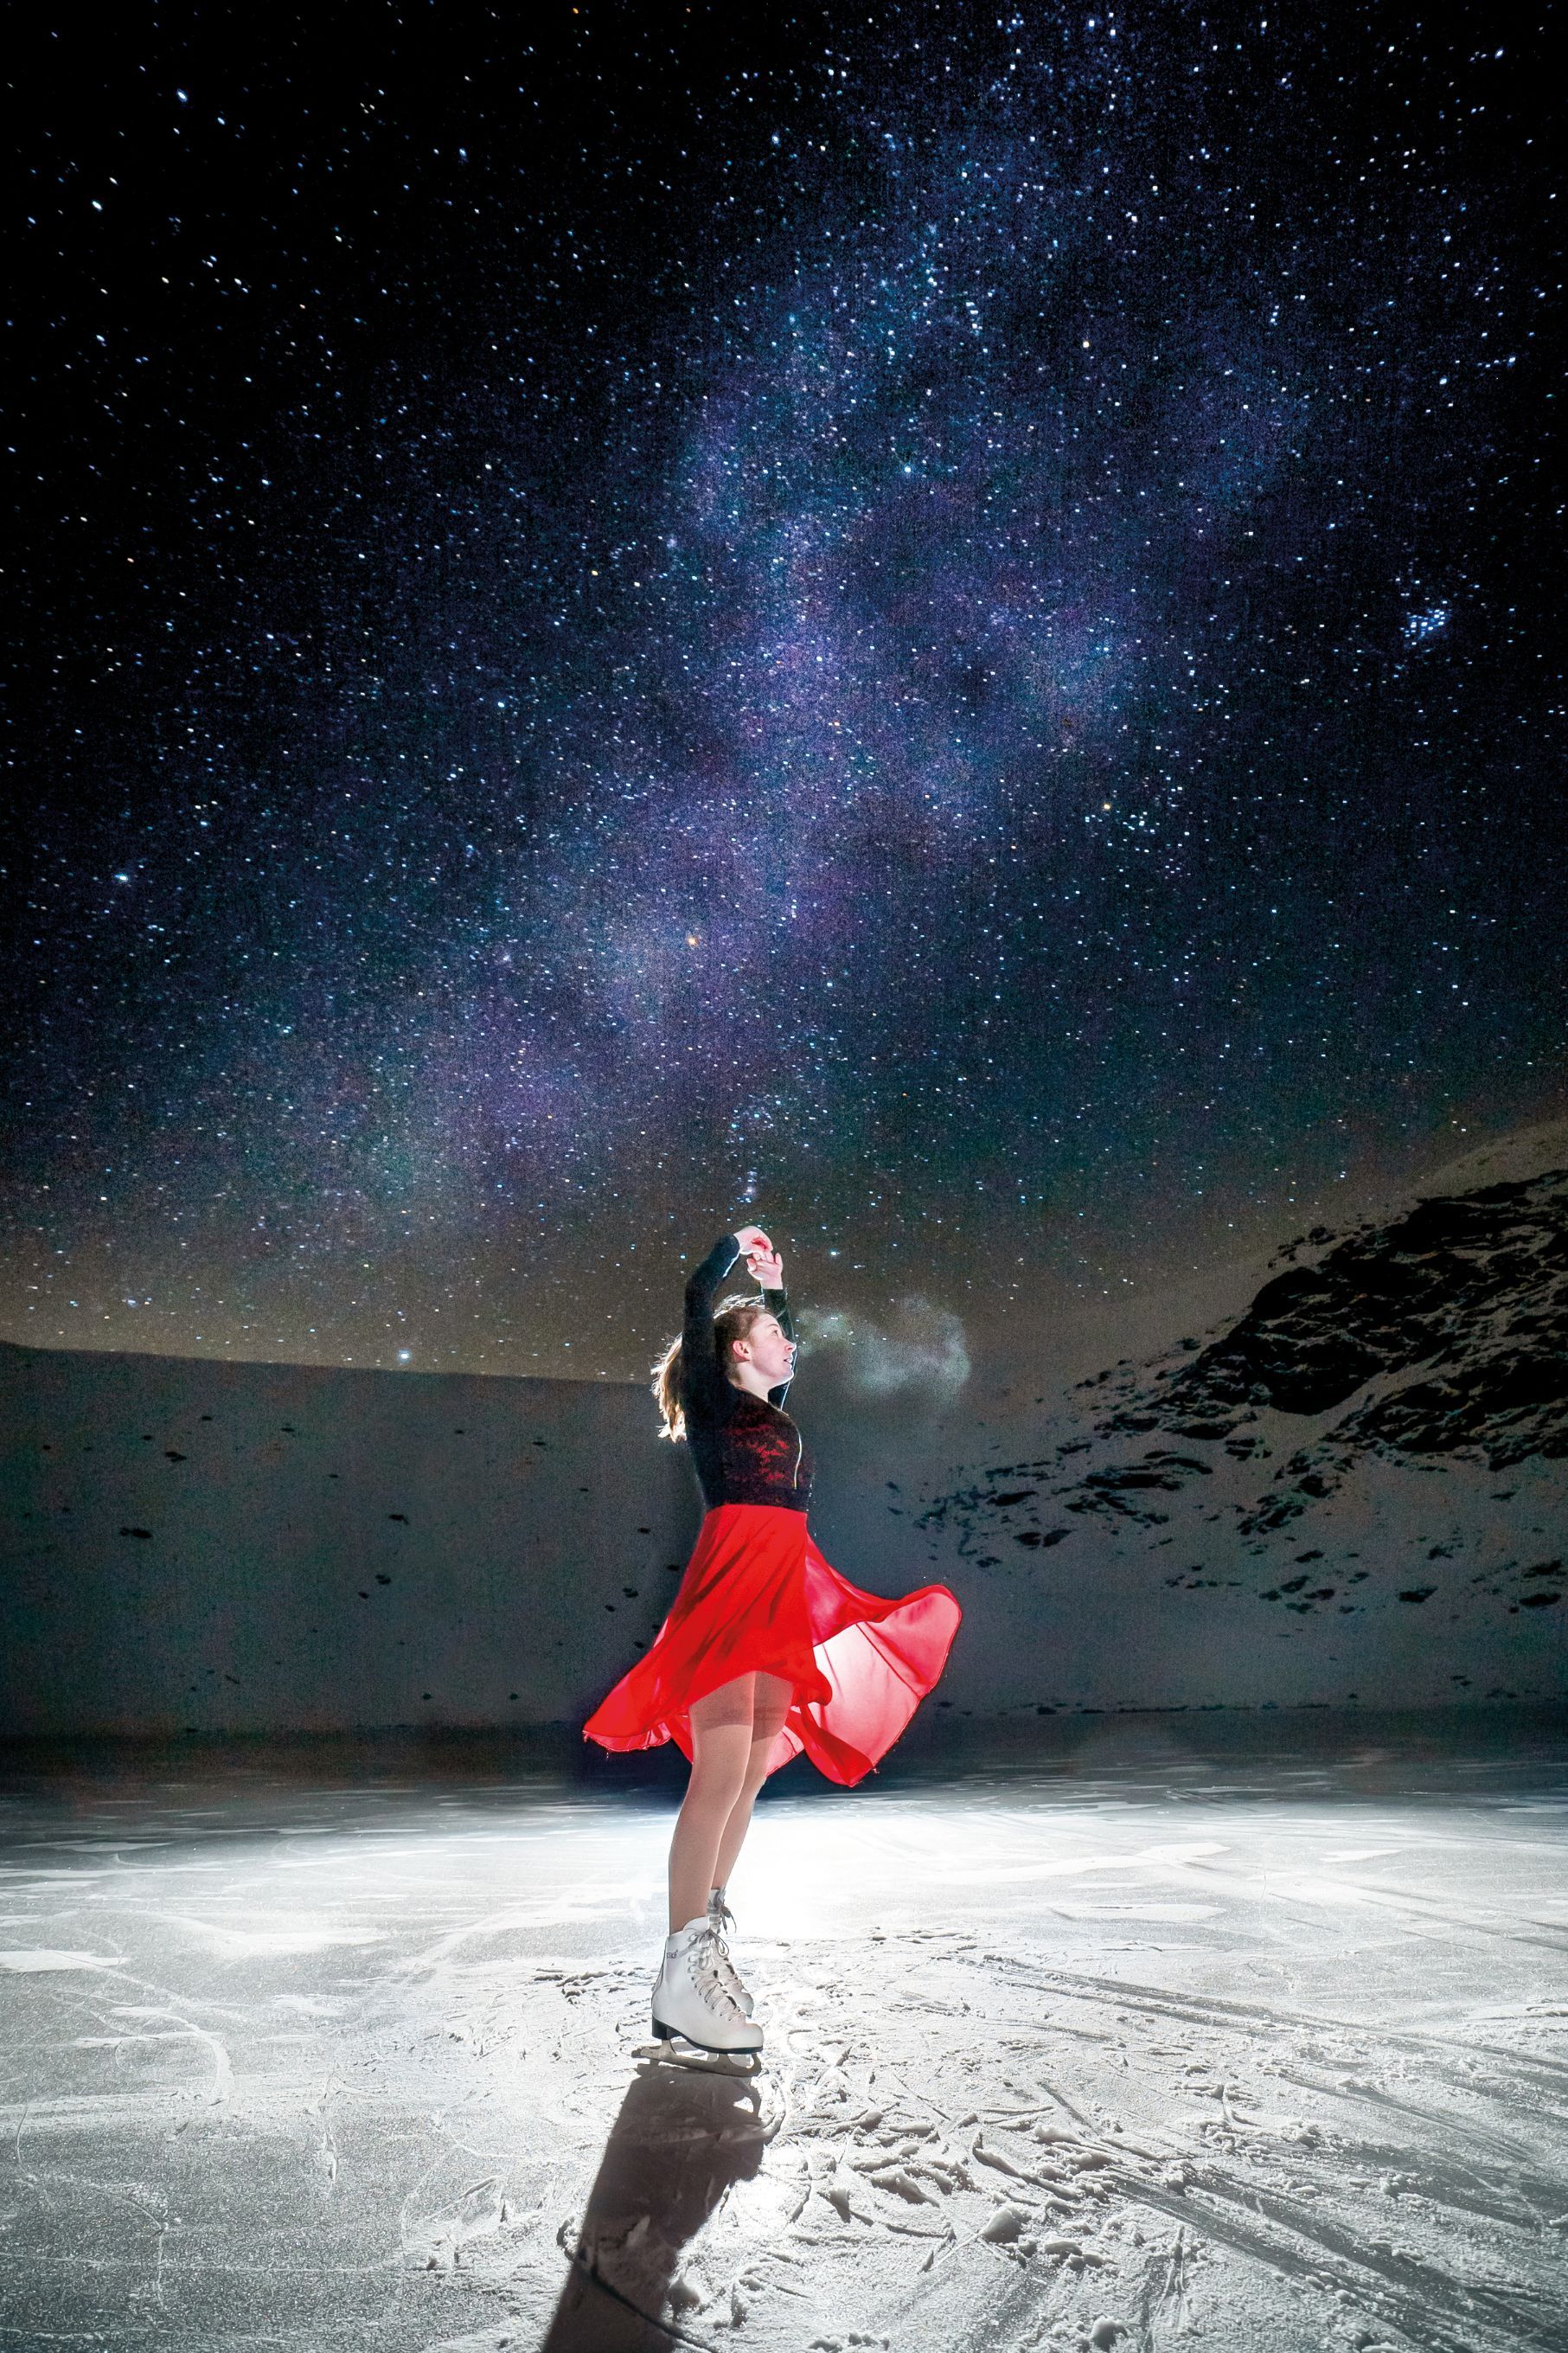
(767, 1650)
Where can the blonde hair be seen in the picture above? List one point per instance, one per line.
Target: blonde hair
(732, 1320)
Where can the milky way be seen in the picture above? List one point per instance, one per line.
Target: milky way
(937, 627)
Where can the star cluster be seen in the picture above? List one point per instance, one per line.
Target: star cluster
(938, 626)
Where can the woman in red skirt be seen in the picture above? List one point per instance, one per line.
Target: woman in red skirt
(767, 1650)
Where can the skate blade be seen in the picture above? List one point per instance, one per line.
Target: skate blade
(672, 2034)
(683, 2058)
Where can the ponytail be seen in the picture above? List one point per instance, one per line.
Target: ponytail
(732, 1320)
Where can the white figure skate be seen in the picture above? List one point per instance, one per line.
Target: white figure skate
(691, 1999)
(721, 1917)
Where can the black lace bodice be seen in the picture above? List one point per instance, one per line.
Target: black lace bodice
(746, 1450)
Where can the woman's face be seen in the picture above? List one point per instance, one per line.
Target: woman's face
(766, 1347)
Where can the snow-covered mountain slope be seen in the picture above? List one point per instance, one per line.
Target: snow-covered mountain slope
(1377, 1439)
(1441, 1335)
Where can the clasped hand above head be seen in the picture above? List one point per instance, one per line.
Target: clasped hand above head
(765, 1264)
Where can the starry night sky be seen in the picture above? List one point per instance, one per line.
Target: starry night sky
(936, 626)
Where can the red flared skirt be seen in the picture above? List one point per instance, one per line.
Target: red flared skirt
(757, 1593)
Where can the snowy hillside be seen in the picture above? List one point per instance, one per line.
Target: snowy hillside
(1380, 1433)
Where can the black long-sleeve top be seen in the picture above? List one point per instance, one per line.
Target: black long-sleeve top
(746, 1449)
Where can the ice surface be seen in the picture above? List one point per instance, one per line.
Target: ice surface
(1139, 2047)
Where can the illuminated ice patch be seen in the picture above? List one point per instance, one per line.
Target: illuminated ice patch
(241, 1944)
(30, 1963)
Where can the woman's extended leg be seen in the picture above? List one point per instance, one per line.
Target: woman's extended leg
(721, 1752)
(770, 1705)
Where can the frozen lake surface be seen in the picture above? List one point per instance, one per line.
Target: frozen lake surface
(1185, 2034)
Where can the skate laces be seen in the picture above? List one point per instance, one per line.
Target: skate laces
(706, 1962)
(727, 1972)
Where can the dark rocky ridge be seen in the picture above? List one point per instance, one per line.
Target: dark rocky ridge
(1435, 1340)
(1470, 1293)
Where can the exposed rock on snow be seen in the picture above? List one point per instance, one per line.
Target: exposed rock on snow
(1392, 1399)
(1475, 1289)
(1454, 1320)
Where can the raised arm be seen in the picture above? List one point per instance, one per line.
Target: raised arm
(779, 1304)
(705, 1393)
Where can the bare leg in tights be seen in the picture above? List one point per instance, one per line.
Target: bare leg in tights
(732, 1733)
